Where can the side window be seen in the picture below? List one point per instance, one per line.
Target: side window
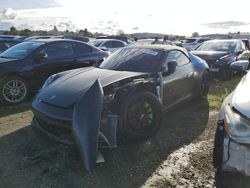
(59, 50)
(107, 44)
(177, 56)
(117, 44)
(82, 49)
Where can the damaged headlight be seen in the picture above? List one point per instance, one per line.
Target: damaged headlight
(237, 126)
(49, 80)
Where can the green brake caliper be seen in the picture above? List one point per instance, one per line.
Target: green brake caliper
(149, 112)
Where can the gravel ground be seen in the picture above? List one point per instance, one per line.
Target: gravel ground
(179, 155)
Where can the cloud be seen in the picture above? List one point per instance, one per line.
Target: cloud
(135, 28)
(28, 4)
(8, 14)
(225, 24)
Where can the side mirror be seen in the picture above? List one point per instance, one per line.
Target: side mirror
(40, 56)
(240, 65)
(172, 66)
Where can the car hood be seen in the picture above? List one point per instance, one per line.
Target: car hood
(68, 89)
(210, 56)
(241, 99)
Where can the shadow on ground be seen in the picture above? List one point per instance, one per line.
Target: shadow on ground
(14, 109)
(31, 159)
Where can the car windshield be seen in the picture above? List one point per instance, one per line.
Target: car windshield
(134, 59)
(96, 43)
(189, 40)
(227, 46)
(144, 42)
(21, 50)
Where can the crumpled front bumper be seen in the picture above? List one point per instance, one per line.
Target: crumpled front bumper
(86, 123)
(236, 157)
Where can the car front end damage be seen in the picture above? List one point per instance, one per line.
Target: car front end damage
(232, 142)
(92, 121)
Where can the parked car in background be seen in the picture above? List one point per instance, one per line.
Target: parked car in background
(6, 43)
(152, 41)
(232, 139)
(83, 39)
(11, 37)
(110, 45)
(25, 66)
(178, 43)
(133, 85)
(126, 39)
(71, 37)
(39, 37)
(219, 54)
(193, 43)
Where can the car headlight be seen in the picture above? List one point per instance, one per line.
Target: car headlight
(228, 59)
(236, 125)
(49, 81)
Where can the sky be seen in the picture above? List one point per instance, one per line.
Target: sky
(177, 17)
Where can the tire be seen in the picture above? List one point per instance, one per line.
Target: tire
(13, 90)
(140, 116)
(204, 86)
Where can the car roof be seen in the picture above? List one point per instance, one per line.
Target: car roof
(11, 40)
(164, 47)
(224, 40)
(53, 40)
(109, 40)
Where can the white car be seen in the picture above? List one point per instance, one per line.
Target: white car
(110, 45)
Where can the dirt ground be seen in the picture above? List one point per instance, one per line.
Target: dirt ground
(179, 155)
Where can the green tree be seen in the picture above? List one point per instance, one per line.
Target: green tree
(13, 31)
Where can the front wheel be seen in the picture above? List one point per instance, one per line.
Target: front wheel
(13, 90)
(140, 116)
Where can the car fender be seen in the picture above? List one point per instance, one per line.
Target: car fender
(86, 124)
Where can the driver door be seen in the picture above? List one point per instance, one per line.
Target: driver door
(176, 86)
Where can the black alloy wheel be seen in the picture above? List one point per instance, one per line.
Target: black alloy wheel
(140, 117)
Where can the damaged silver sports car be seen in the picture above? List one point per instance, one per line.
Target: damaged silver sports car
(126, 94)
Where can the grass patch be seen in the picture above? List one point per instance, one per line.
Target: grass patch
(219, 90)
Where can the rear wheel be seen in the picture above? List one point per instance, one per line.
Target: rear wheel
(140, 116)
(13, 90)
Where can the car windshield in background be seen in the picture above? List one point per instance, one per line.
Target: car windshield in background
(228, 46)
(134, 59)
(96, 43)
(21, 50)
(189, 40)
